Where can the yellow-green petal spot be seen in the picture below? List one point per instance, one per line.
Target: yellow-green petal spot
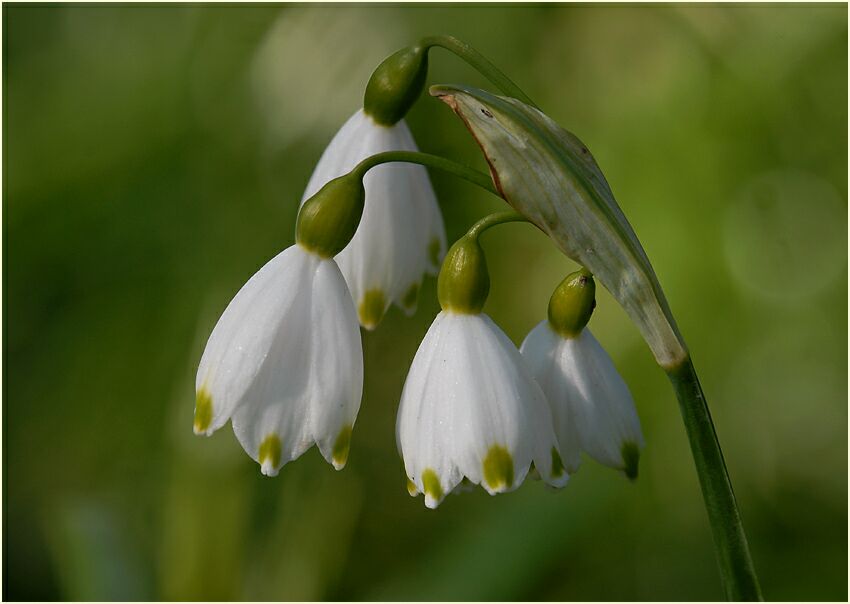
(203, 411)
(631, 456)
(371, 308)
(431, 484)
(411, 488)
(572, 303)
(464, 283)
(498, 468)
(270, 450)
(410, 296)
(557, 464)
(434, 252)
(341, 447)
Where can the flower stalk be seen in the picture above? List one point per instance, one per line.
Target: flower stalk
(733, 553)
(430, 161)
(479, 62)
(494, 219)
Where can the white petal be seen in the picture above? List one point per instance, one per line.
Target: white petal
(401, 222)
(243, 336)
(309, 387)
(540, 350)
(471, 408)
(337, 364)
(583, 385)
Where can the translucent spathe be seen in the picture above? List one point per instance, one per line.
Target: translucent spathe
(549, 175)
(471, 409)
(285, 363)
(591, 405)
(401, 234)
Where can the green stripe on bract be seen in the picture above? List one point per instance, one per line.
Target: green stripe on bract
(203, 410)
(371, 308)
(431, 484)
(631, 456)
(557, 464)
(270, 450)
(498, 468)
(341, 447)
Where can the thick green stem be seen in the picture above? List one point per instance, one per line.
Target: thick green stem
(480, 63)
(426, 159)
(733, 553)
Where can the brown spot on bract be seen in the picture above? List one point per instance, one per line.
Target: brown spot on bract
(485, 112)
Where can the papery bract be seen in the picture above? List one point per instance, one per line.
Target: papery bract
(548, 174)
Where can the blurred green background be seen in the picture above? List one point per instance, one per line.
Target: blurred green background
(154, 158)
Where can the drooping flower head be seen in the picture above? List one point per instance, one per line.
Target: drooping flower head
(470, 408)
(284, 361)
(592, 407)
(401, 236)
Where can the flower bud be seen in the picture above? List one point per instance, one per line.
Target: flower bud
(328, 220)
(572, 303)
(395, 85)
(464, 283)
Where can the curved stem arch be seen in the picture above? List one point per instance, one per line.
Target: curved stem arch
(432, 161)
(480, 63)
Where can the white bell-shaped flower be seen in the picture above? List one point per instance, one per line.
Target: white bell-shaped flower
(285, 362)
(401, 235)
(591, 405)
(470, 407)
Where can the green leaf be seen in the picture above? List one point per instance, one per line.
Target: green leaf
(548, 175)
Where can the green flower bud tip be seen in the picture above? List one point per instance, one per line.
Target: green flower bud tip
(557, 464)
(464, 283)
(572, 303)
(341, 448)
(372, 308)
(631, 456)
(203, 411)
(408, 301)
(498, 468)
(431, 484)
(411, 488)
(395, 85)
(269, 454)
(328, 220)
